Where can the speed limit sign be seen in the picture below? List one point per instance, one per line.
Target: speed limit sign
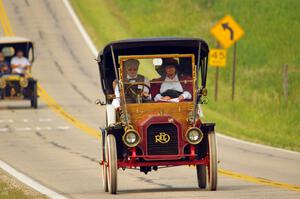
(217, 57)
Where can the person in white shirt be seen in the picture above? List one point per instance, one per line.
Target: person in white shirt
(131, 67)
(19, 63)
(171, 88)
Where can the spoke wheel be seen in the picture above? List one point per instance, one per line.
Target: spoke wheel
(104, 168)
(34, 101)
(212, 166)
(201, 176)
(111, 157)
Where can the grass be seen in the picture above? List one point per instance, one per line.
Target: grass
(12, 189)
(259, 112)
(8, 192)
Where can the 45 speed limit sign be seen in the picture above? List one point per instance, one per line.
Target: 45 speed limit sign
(217, 57)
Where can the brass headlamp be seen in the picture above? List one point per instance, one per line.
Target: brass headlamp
(23, 82)
(131, 137)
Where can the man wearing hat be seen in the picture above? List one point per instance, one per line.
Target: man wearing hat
(131, 67)
(174, 87)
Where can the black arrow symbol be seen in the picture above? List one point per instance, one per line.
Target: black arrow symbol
(226, 26)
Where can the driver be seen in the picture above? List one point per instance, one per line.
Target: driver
(174, 86)
(131, 67)
(19, 63)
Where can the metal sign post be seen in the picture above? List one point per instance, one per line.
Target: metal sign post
(217, 58)
(216, 83)
(233, 71)
(227, 32)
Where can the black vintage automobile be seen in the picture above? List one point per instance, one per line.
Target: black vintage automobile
(153, 89)
(17, 86)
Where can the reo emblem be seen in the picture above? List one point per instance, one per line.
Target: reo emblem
(162, 138)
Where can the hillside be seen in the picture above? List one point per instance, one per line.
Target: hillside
(259, 112)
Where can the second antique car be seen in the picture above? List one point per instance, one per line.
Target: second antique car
(153, 89)
(17, 86)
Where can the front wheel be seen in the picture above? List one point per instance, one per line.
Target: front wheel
(104, 166)
(212, 166)
(111, 158)
(34, 96)
(201, 176)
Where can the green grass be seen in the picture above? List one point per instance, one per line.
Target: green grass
(7, 192)
(13, 189)
(259, 112)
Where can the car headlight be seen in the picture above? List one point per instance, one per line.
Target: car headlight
(131, 138)
(194, 135)
(2, 83)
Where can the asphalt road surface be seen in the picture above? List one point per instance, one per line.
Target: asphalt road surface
(46, 146)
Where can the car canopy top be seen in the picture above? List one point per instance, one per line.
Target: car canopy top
(145, 46)
(18, 43)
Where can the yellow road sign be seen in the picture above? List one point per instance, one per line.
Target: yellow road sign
(227, 31)
(217, 57)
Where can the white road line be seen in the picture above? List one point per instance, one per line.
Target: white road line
(3, 129)
(48, 128)
(45, 119)
(63, 127)
(257, 145)
(30, 182)
(8, 121)
(23, 129)
(81, 29)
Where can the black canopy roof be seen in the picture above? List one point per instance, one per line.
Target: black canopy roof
(162, 45)
(146, 46)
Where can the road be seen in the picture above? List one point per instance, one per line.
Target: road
(46, 146)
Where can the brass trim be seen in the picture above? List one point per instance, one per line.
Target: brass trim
(2, 83)
(23, 82)
(200, 133)
(131, 130)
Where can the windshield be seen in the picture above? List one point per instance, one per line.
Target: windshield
(153, 79)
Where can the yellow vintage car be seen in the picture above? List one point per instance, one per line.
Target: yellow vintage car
(14, 86)
(153, 89)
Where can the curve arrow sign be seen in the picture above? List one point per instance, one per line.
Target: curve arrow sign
(226, 26)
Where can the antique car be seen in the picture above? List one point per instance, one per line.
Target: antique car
(17, 86)
(150, 129)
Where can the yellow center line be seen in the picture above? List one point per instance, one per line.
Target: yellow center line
(58, 109)
(42, 92)
(95, 133)
(258, 180)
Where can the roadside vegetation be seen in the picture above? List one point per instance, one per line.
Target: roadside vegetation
(13, 189)
(259, 112)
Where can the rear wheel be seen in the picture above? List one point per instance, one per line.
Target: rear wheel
(201, 176)
(33, 100)
(104, 167)
(212, 167)
(111, 157)
(2, 93)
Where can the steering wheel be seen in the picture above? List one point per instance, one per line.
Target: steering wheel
(136, 93)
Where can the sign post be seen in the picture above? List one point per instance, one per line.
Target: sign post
(228, 32)
(217, 58)
(233, 72)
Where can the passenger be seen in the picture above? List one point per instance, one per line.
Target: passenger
(172, 88)
(19, 63)
(131, 67)
(4, 66)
